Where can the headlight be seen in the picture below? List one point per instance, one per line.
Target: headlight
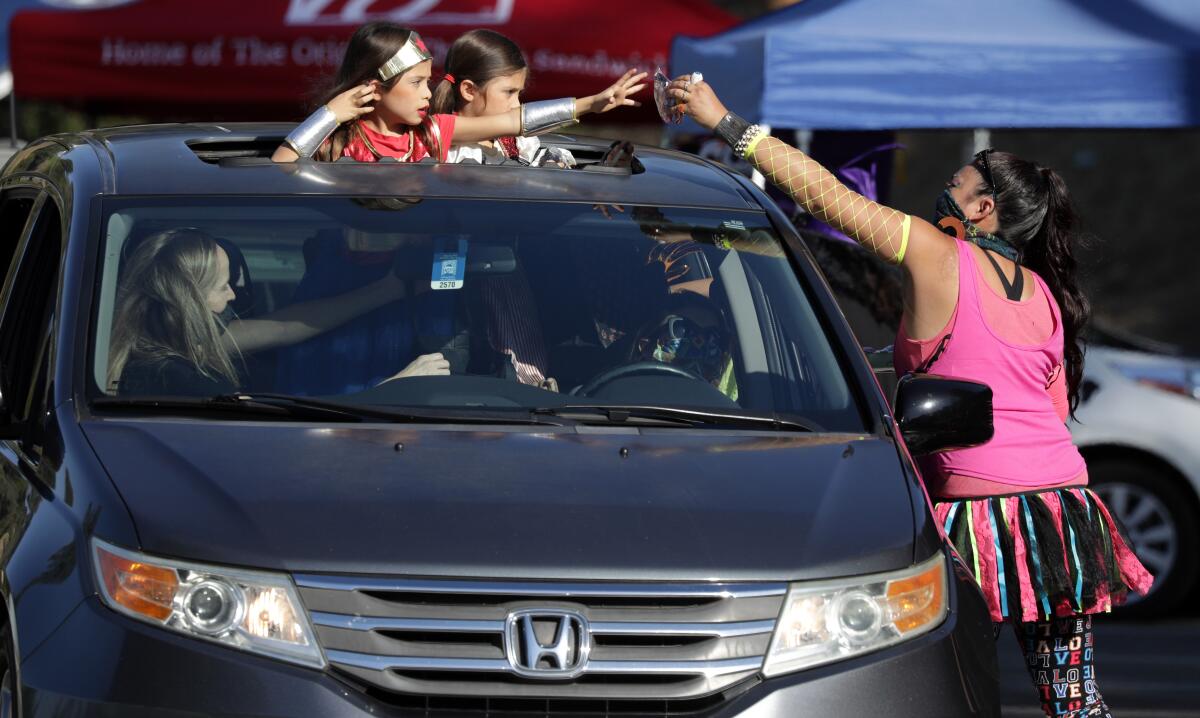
(250, 610)
(831, 620)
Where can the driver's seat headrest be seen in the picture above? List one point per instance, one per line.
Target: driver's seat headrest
(239, 278)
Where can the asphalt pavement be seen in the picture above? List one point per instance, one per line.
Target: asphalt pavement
(1144, 669)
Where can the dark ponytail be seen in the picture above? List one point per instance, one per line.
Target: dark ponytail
(1036, 214)
(479, 56)
(370, 46)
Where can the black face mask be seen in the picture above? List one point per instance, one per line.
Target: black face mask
(947, 207)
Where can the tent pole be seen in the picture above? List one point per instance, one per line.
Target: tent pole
(804, 138)
(981, 139)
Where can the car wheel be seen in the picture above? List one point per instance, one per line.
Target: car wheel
(1161, 525)
(8, 674)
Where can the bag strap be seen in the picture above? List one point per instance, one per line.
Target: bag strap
(937, 352)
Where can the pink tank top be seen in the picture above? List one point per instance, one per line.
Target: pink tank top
(1031, 447)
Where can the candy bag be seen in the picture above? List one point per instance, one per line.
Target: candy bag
(668, 107)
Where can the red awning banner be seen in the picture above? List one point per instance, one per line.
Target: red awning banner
(226, 54)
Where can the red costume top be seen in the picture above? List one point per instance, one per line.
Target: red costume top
(367, 145)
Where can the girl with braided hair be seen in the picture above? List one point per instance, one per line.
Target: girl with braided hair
(997, 302)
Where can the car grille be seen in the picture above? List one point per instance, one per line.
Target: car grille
(673, 646)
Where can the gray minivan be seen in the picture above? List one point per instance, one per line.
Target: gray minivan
(657, 476)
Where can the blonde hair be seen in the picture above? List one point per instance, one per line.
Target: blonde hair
(162, 310)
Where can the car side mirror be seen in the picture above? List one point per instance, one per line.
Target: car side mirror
(937, 413)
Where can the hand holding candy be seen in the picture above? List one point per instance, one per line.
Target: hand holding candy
(669, 108)
(697, 100)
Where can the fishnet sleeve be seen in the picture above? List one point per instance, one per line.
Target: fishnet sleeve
(881, 229)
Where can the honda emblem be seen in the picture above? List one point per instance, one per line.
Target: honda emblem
(547, 643)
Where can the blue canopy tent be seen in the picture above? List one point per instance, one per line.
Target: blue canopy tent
(887, 64)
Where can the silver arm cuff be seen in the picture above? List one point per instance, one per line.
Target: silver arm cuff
(546, 115)
(309, 135)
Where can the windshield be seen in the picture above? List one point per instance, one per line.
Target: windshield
(460, 305)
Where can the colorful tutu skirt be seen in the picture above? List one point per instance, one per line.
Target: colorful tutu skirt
(1043, 554)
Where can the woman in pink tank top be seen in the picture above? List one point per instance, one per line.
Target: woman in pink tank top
(996, 302)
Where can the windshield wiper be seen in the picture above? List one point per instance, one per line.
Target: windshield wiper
(302, 408)
(234, 404)
(417, 415)
(665, 415)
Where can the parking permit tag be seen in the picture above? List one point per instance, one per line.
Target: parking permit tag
(449, 263)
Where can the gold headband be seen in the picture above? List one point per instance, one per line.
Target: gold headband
(413, 53)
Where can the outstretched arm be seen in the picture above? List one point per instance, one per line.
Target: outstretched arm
(474, 129)
(883, 230)
(487, 127)
(887, 232)
(307, 319)
(928, 257)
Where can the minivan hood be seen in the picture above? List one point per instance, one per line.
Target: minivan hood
(565, 503)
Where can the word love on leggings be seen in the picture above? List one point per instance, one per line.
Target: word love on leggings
(1058, 654)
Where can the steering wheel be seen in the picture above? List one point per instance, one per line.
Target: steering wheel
(637, 368)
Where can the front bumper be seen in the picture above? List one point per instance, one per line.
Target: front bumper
(101, 664)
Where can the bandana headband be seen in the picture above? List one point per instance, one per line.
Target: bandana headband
(412, 54)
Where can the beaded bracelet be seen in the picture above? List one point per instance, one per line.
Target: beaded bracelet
(741, 136)
(762, 135)
(749, 138)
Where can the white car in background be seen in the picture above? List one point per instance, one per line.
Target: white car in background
(1138, 426)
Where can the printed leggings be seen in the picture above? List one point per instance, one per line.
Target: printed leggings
(1058, 654)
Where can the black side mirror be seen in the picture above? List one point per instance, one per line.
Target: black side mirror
(938, 413)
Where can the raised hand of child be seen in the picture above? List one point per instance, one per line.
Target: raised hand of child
(698, 101)
(618, 94)
(353, 103)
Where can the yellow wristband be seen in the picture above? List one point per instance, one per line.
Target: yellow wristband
(753, 143)
(903, 239)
